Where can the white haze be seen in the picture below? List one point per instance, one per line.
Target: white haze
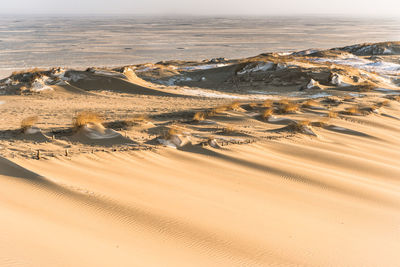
(204, 7)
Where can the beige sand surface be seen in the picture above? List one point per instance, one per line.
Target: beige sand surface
(314, 186)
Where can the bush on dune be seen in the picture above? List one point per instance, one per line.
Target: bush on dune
(86, 117)
(29, 122)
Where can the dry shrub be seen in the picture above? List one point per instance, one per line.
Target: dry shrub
(220, 109)
(332, 114)
(367, 86)
(298, 126)
(330, 100)
(352, 110)
(33, 70)
(310, 103)
(137, 119)
(394, 97)
(229, 129)
(234, 106)
(384, 103)
(267, 103)
(348, 98)
(368, 109)
(29, 122)
(253, 105)
(267, 113)
(200, 116)
(318, 123)
(286, 106)
(86, 117)
(171, 132)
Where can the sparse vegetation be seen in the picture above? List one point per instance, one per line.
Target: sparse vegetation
(353, 110)
(229, 129)
(384, 103)
(218, 110)
(367, 86)
(298, 126)
(318, 123)
(86, 117)
(236, 106)
(267, 113)
(253, 105)
(200, 116)
(286, 106)
(138, 118)
(171, 132)
(29, 122)
(310, 103)
(267, 103)
(332, 114)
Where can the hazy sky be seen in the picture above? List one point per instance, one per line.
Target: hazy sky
(204, 7)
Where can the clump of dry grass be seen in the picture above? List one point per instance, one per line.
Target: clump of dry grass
(394, 97)
(384, 103)
(367, 86)
(141, 118)
(332, 114)
(200, 116)
(29, 122)
(253, 105)
(353, 110)
(267, 103)
(330, 100)
(229, 129)
(319, 123)
(267, 113)
(235, 106)
(298, 126)
(171, 132)
(33, 70)
(286, 106)
(219, 110)
(85, 117)
(310, 103)
(348, 98)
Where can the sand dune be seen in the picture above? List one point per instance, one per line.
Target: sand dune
(167, 170)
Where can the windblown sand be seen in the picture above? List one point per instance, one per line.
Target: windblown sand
(307, 183)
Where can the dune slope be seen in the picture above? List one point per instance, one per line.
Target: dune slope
(306, 202)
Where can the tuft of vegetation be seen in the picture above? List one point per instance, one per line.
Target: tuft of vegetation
(236, 106)
(219, 110)
(348, 98)
(298, 126)
(354, 110)
(29, 122)
(86, 117)
(367, 86)
(229, 130)
(253, 105)
(171, 132)
(267, 113)
(318, 123)
(200, 116)
(135, 120)
(267, 103)
(332, 114)
(384, 103)
(286, 106)
(331, 101)
(310, 103)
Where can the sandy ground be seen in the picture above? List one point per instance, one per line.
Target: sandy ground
(203, 172)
